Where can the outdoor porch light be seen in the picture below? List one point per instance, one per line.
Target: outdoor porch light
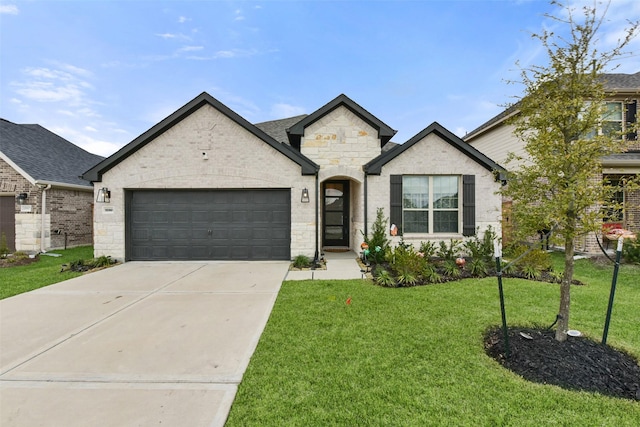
(305, 196)
(22, 197)
(104, 195)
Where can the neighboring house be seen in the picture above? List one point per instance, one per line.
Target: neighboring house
(40, 171)
(496, 139)
(204, 183)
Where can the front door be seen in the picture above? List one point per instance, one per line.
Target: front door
(335, 213)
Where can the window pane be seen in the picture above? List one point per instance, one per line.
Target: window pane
(612, 120)
(416, 222)
(415, 192)
(445, 222)
(613, 111)
(612, 129)
(445, 192)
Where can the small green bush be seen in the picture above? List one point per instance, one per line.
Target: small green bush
(631, 251)
(428, 249)
(378, 242)
(478, 267)
(301, 261)
(383, 278)
(449, 252)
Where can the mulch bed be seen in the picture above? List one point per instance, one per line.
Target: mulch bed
(16, 261)
(576, 364)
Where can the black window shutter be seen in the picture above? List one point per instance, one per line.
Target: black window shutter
(395, 216)
(631, 118)
(468, 205)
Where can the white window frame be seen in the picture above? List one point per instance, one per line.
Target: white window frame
(606, 119)
(430, 209)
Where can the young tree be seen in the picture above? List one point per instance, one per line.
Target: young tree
(556, 185)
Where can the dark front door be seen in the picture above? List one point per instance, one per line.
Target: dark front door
(335, 213)
(8, 221)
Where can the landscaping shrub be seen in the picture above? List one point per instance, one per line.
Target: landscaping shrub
(378, 242)
(428, 249)
(449, 252)
(301, 261)
(631, 251)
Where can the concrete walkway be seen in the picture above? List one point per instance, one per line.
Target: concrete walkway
(340, 266)
(138, 344)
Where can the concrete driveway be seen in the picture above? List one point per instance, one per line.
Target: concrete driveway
(143, 343)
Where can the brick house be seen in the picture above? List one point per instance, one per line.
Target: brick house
(206, 184)
(40, 171)
(495, 138)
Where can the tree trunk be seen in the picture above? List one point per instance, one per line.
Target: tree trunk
(565, 291)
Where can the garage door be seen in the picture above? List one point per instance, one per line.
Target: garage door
(209, 224)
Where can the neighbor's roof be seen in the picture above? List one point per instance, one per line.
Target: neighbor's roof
(614, 83)
(44, 156)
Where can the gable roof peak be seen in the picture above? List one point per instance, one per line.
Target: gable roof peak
(95, 174)
(374, 167)
(295, 132)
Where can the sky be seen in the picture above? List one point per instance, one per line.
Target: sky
(100, 73)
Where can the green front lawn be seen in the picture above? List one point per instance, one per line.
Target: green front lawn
(45, 271)
(415, 356)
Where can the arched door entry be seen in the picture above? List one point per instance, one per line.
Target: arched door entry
(335, 213)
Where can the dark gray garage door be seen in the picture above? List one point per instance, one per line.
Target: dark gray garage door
(208, 224)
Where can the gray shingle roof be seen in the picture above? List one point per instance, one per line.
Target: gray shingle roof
(613, 83)
(622, 82)
(277, 129)
(43, 155)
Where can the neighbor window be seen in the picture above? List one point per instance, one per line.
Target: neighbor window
(616, 213)
(430, 204)
(612, 120)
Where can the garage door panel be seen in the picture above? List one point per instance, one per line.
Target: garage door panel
(212, 224)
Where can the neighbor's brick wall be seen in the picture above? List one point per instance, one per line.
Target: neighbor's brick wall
(433, 156)
(27, 224)
(71, 214)
(236, 159)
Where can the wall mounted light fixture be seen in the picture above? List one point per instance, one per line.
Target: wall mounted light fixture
(104, 195)
(305, 196)
(22, 197)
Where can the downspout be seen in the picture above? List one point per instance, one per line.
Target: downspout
(316, 256)
(366, 232)
(43, 215)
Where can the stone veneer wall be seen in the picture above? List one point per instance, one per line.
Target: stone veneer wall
(341, 143)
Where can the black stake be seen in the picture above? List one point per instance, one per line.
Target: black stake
(613, 290)
(497, 251)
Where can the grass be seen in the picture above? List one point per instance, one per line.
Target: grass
(46, 271)
(415, 356)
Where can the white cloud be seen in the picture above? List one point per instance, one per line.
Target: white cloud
(167, 36)
(226, 54)
(90, 129)
(280, 111)
(190, 48)
(9, 9)
(183, 19)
